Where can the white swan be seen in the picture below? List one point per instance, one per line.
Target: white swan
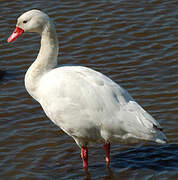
(86, 104)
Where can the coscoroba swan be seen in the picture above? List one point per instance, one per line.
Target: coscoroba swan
(84, 103)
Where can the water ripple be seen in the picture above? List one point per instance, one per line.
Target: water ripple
(134, 43)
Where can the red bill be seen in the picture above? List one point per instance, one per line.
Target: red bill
(17, 32)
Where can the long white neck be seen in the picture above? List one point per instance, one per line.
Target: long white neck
(46, 59)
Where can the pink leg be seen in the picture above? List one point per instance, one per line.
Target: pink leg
(84, 155)
(107, 151)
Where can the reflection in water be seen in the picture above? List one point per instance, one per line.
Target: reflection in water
(87, 175)
(110, 174)
(134, 43)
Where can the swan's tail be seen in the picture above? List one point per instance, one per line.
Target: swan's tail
(160, 137)
(140, 124)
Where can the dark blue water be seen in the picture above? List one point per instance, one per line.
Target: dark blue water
(135, 44)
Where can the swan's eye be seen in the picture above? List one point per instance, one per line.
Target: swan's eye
(24, 22)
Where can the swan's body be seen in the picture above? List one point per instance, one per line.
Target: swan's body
(86, 104)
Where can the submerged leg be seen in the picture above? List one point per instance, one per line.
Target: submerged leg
(84, 155)
(107, 151)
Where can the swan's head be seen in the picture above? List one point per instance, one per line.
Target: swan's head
(30, 21)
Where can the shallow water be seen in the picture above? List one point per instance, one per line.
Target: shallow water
(135, 44)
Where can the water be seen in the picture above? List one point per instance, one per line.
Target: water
(134, 43)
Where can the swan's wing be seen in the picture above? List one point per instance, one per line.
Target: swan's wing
(138, 123)
(126, 116)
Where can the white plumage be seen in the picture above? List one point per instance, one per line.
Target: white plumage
(86, 104)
